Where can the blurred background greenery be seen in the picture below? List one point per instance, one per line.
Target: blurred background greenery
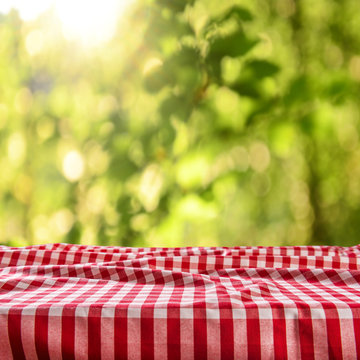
(180, 123)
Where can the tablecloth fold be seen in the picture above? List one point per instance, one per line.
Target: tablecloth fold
(65, 301)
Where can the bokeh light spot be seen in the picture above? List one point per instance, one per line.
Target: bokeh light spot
(62, 221)
(259, 156)
(355, 67)
(151, 64)
(73, 166)
(34, 42)
(23, 100)
(151, 184)
(16, 148)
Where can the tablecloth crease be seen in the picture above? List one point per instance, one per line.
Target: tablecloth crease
(68, 301)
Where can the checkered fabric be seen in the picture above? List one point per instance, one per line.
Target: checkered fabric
(63, 301)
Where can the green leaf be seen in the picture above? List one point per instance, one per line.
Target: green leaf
(261, 68)
(175, 5)
(338, 89)
(250, 79)
(180, 69)
(299, 90)
(74, 235)
(157, 79)
(236, 11)
(160, 27)
(175, 105)
(234, 44)
(246, 88)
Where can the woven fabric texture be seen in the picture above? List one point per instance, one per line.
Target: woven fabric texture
(65, 301)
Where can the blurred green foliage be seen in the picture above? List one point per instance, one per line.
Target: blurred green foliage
(201, 123)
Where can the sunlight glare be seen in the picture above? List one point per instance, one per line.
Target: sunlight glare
(91, 22)
(28, 10)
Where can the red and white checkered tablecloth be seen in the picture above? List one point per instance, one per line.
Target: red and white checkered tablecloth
(63, 301)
